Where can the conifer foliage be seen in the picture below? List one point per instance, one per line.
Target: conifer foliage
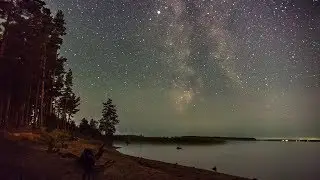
(34, 87)
(109, 118)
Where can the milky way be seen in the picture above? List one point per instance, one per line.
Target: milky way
(198, 67)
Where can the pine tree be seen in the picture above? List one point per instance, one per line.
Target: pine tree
(109, 118)
(84, 126)
(72, 105)
(58, 85)
(31, 71)
(69, 82)
(69, 102)
(55, 64)
(72, 126)
(22, 62)
(94, 131)
(93, 124)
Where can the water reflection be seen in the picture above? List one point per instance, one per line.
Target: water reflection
(262, 160)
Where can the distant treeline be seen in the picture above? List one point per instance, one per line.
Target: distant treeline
(292, 140)
(237, 138)
(178, 140)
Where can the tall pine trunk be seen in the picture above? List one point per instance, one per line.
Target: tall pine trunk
(7, 113)
(36, 108)
(42, 100)
(15, 112)
(22, 113)
(44, 61)
(51, 94)
(1, 113)
(28, 108)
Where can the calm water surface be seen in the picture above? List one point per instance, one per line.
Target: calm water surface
(261, 159)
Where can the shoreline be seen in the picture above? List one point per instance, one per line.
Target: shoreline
(179, 140)
(112, 165)
(137, 168)
(184, 172)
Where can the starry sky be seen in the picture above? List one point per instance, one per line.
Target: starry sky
(197, 67)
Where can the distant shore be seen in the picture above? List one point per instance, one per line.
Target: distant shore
(291, 140)
(196, 140)
(200, 140)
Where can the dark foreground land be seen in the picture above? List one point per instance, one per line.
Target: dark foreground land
(29, 161)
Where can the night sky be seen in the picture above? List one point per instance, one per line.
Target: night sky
(197, 67)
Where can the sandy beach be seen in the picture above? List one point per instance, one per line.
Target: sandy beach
(28, 160)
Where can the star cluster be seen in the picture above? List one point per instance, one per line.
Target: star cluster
(200, 67)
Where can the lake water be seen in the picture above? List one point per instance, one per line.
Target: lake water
(263, 160)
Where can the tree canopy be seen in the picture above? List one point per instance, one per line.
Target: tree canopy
(109, 118)
(34, 85)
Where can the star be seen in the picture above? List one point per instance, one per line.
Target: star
(172, 55)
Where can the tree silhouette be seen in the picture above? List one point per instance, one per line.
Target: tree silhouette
(71, 126)
(93, 124)
(32, 76)
(89, 128)
(68, 101)
(94, 131)
(84, 126)
(109, 118)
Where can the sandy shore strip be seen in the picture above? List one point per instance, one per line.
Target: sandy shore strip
(26, 160)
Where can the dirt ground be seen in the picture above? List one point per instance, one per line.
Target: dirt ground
(23, 160)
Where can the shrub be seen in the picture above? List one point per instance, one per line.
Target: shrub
(55, 139)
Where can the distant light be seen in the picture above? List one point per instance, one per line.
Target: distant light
(287, 140)
(158, 12)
